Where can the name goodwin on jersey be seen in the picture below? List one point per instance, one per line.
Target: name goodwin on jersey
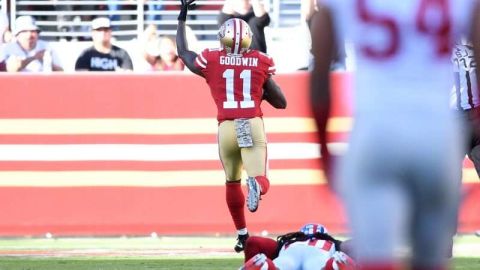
(239, 61)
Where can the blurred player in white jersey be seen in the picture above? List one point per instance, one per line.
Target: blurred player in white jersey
(310, 248)
(465, 97)
(398, 178)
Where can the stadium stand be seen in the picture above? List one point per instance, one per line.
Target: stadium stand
(132, 16)
(69, 21)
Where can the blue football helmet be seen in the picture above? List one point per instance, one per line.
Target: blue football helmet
(312, 228)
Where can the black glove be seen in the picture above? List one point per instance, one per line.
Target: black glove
(184, 7)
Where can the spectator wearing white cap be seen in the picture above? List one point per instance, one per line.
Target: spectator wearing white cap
(35, 55)
(103, 55)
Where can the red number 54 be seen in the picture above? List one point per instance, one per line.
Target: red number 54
(440, 33)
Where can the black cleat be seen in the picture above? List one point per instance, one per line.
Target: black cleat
(241, 239)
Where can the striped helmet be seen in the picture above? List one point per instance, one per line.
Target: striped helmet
(235, 36)
(312, 228)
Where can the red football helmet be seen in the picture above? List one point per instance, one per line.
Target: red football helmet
(235, 36)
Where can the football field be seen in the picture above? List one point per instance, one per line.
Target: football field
(139, 253)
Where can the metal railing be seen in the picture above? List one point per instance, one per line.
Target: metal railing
(70, 19)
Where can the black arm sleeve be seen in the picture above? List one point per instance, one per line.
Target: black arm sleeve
(257, 25)
(187, 56)
(273, 94)
(223, 17)
(263, 21)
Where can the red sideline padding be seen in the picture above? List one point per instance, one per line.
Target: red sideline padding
(138, 210)
(139, 96)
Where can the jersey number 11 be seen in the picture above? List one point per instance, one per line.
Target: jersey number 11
(247, 102)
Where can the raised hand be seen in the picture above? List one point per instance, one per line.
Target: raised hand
(184, 7)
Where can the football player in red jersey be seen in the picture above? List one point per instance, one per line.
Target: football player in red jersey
(239, 79)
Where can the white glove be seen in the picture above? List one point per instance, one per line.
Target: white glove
(255, 263)
(340, 261)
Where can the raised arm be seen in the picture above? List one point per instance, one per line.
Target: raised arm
(274, 95)
(187, 56)
(258, 8)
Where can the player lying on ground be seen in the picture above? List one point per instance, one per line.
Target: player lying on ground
(308, 249)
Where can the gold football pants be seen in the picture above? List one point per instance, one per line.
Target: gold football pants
(234, 158)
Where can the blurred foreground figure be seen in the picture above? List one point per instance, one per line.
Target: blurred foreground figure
(398, 178)
(465, 98)
(239, 78)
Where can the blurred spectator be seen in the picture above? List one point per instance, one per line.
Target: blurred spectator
(147, 43)
(158, 53)
(153, 6)
(113, 7)
(308, 9)
(150, 6)
(162, 56)
(12, 63)
(5, 34)
(64, 20)
(150, 34)
(251, 11)
(103, 55)
(34, 54)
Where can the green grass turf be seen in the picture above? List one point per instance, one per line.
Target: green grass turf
(117, 264)
(466, 263)
(144, 253)
(150, 264)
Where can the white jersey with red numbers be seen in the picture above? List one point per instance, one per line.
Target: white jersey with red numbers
(401, 172)
(236, 81)
(310, 254)
(325, 246)
(410, 37)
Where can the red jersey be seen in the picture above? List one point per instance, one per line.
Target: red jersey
(236, 81)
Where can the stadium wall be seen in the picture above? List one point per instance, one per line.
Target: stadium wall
(110, 154)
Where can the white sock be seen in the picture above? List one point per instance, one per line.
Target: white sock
(242, 231)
